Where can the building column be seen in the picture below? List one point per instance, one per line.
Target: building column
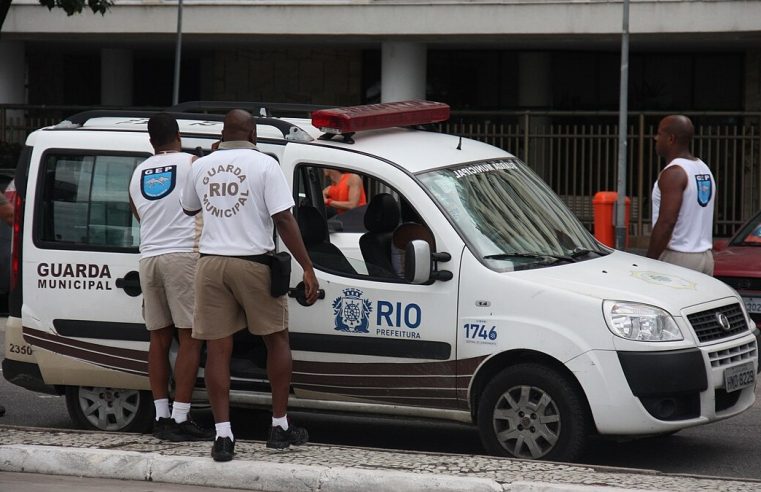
(116, 77)
(535, 93)
(403, 71)
(12, 88)
(13, 74)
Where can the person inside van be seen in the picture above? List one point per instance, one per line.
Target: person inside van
(168, 258)
(344, 192)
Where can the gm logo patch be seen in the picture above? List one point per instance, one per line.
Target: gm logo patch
(158, 182)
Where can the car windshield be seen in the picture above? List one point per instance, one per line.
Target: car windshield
(750, 234)
(508, 216)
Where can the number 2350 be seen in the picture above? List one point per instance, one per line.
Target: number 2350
(20, 349)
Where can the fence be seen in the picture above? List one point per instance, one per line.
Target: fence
(576, 153)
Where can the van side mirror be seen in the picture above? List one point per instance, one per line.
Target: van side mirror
(418, 262)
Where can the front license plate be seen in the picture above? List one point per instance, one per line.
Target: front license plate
(739, 377)
(753, 304)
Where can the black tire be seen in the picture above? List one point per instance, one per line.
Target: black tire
(531, 411)
(110, 409)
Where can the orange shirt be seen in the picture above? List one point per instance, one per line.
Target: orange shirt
(339, 192)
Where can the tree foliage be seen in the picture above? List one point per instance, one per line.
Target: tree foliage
(71, 7)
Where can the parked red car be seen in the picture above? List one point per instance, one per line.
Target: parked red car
(738, 264)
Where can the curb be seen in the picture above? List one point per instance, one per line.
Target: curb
(246, 475)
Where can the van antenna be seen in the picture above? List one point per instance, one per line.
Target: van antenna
(459, 144)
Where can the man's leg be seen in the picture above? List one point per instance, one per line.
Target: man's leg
(186, 365)
(279, 368)
(217, 374)
(158, 361)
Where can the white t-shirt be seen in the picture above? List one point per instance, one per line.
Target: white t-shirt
(693, 232)
(238, 189)
(155, 191)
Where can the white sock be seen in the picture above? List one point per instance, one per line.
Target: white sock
(281, 421)
(162, 408)
(180, 411)
(224, 430)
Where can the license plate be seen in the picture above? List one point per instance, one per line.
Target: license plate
(739, 377)
(753, 304)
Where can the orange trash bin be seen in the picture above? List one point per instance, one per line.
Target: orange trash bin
(604, 206)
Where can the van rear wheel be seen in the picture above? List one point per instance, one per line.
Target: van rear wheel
(110, 409)
(531, 411)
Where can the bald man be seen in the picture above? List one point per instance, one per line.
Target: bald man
(683, 200)
(244, 196)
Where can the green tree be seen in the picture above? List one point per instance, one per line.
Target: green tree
(71, 7)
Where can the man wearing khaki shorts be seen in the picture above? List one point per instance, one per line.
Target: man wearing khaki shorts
(244, 196)
(167, 273)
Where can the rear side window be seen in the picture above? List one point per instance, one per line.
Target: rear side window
(85, 202)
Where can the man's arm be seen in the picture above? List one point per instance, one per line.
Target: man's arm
(672, 183)
(355, 193)
(289, 232)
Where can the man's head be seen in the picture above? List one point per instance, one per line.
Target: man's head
(674, 137)
(164, 132)
(239, 125)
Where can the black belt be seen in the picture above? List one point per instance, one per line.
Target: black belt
(263, 259)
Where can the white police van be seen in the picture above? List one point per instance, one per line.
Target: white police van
(505, 313)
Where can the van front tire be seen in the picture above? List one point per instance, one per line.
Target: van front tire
(110, 409)
(531, 411)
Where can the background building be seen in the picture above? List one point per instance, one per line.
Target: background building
(492, 61)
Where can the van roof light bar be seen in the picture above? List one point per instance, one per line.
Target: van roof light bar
(352, 119)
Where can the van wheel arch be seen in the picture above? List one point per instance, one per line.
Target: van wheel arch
(110, 409)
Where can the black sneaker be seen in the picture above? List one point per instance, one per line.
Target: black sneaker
(167, 429)
(281, 439)
(223, 449)
(163, 428)
(191, 431)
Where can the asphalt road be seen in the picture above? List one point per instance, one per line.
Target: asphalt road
(730, 448)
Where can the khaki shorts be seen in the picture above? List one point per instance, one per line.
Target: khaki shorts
(233, 293)
(168, 289)
(701, 262)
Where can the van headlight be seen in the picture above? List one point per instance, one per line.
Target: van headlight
(635, 321)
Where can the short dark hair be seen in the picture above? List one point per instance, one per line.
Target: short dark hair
(162, 128)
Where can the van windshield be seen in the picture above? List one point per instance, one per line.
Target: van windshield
(508, 216)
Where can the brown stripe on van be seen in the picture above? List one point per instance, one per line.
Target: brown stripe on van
(385, 381)
(138, 355)
(438, 368)
(103, 360)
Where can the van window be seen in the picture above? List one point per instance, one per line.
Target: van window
(85, 201)
(364, 240)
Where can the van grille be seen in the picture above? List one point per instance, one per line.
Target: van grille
(707, 327)
(731, 355)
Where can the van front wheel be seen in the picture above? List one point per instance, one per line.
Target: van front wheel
(531, 411)
(110, 409)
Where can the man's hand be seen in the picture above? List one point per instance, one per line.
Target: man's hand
(311, 286)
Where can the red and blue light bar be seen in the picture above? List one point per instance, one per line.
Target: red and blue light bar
(375, 116)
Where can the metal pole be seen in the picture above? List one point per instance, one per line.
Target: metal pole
(177, 56)
(622, 117)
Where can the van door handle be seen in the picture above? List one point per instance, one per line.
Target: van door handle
(130, 283)
(301, 296)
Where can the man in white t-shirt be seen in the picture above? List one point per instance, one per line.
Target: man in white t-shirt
(683, 200)
(244, 196)
(168, 257)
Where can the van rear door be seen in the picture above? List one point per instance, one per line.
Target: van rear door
(80, 267)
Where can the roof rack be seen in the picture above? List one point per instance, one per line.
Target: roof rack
(260, 109)
(290, 131)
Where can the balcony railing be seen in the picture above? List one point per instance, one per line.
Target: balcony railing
(576, 153)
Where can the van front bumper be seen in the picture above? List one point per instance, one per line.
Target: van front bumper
(27, 375)
(652, 392)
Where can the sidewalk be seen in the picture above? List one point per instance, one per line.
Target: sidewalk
(316, 467)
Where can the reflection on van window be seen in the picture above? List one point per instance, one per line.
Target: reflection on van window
(85, 201)
(508, 216)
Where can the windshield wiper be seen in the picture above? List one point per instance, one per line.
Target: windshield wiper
(546, 257)
(578, 252)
